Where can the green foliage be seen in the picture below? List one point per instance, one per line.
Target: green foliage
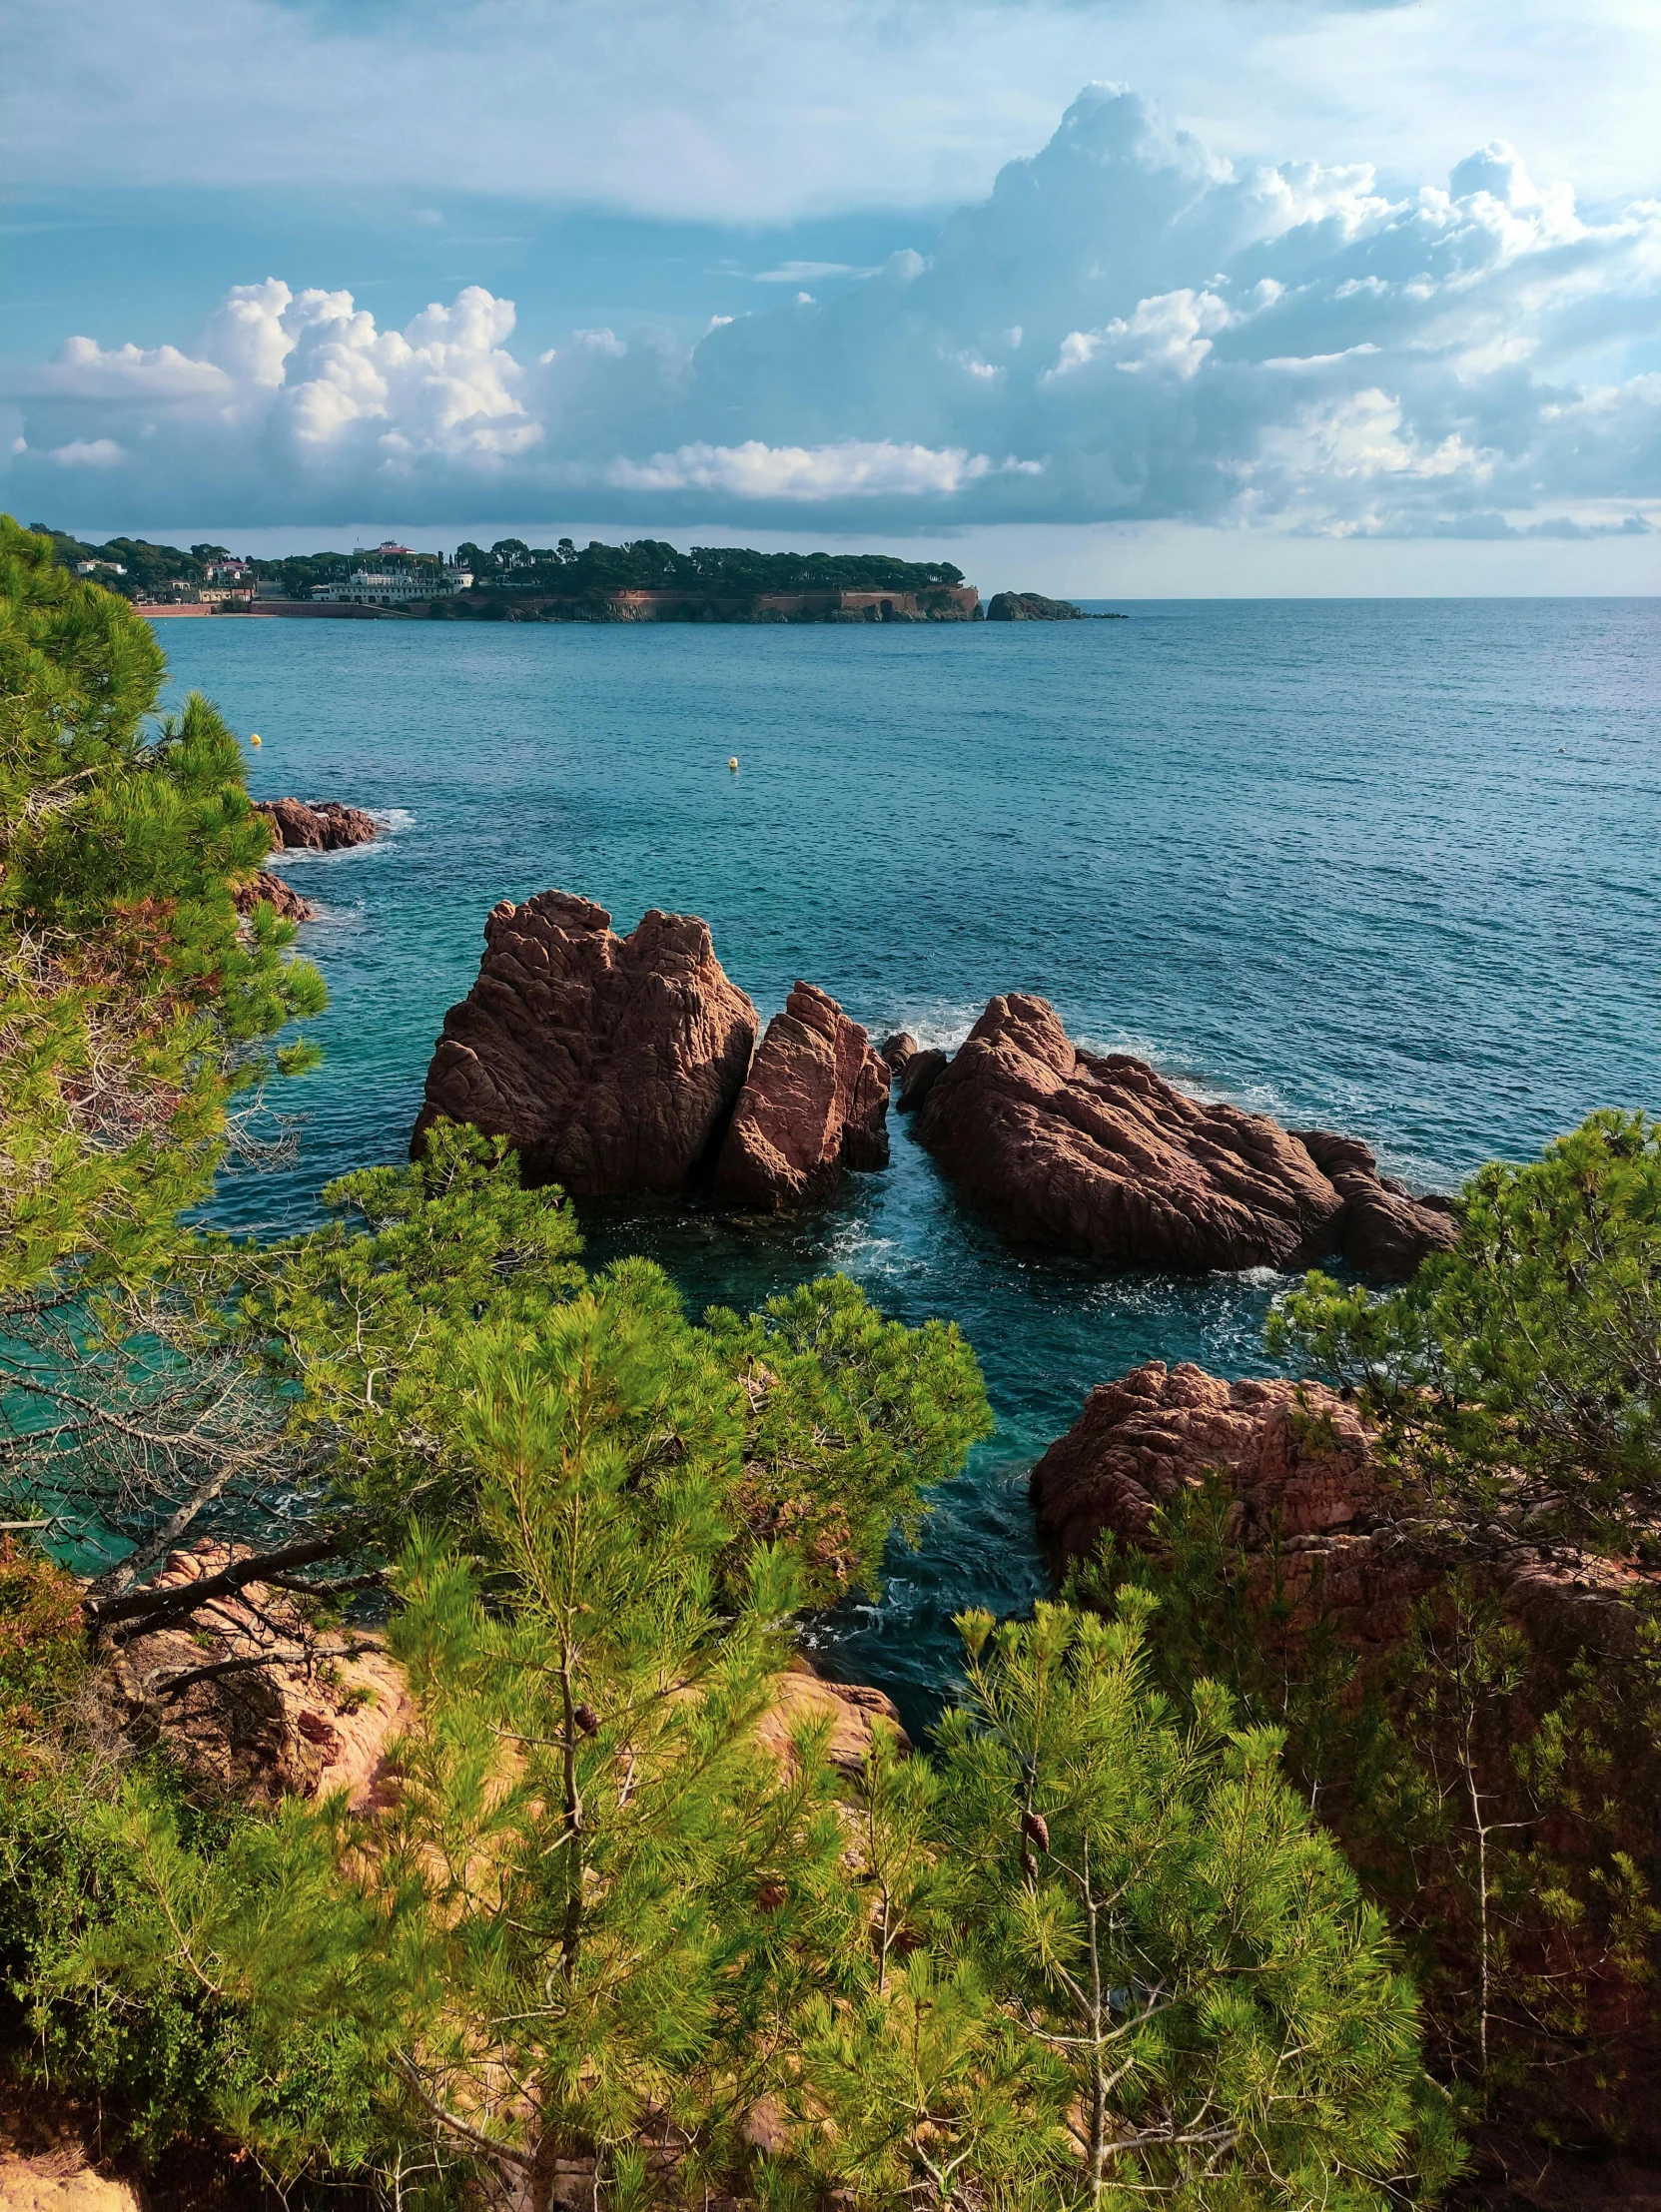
(850, 1419)
(1519, 1377)
(649, 565)
(1140, 1968)
(1492, 1797)
(41, 1656)
(129, 996)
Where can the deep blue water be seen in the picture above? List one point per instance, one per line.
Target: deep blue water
(1388, 866)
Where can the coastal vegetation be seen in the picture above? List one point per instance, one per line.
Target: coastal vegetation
(1155, 1914)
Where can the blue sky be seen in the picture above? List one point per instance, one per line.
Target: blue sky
(1214, 295)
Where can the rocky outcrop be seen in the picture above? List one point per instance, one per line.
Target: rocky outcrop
(918, 1076)
(325, 828)
(1099, 1156)
(1384, 1229)
(896, 1047)
(1031, 607)
(612, 1063)
(1335, 1551)
(267, 1720)
(1296, 1455)
(815, 1103)
(854, 1713)
(272, 891)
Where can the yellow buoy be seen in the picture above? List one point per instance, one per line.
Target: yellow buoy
(254, 739)
(733, 764)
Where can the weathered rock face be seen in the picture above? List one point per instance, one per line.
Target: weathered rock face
(261, 1732)
(1099, 1156)
(916, 1077)
(1384, 1229)
(325, 828)
(1293, 1451)
(612, 1063)
(269, 890)
(1031, 607)
(815, 1103)
(1325, 1538)
(897, 1048)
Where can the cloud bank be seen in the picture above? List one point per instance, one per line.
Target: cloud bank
(1129, 328)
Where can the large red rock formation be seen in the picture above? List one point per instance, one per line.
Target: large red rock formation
(325, 828)
(815, 1103)
(612, 1063)
(1097, 1154)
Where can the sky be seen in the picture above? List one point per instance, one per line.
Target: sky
(1132, 298)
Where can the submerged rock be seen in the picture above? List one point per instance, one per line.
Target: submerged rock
(1097, 1154)
(326, 828)
(612, 1063)
(814, 1103)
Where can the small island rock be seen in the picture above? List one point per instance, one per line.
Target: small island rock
(328, 827)
(612, 1063)
(815, 1103)
(1031, 607)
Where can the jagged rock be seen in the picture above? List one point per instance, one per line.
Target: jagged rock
(612, 1063)
(897, 1048)
(1296, 1451)
(324, 828)
(1097, 1154)
(917, 1078)
(1031, 607)
(271, 889)
(815, 1103)
(1384, 1229)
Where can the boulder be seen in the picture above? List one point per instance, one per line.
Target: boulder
(1296, 1451)
(325, 828)
(814, 1103)
(917, 1078)
(1097, 1154)
(612, 1063)
(1031, 607)
(897, 1048)
(1384, 1229)
(269, 890)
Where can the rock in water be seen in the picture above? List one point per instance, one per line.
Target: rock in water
(1032, 606)
(1384, 1229)
(1102, 1157)
(897, 1048)
(613, 1062)
(916, 1077)
(1099, 1156)
(326, 828)
(269, 890)
(815, 1103)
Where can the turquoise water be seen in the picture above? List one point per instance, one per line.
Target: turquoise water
(1388, 866)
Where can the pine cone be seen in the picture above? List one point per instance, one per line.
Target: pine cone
(588, 1719)
(1035, 1827)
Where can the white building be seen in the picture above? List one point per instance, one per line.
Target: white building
(396, 587)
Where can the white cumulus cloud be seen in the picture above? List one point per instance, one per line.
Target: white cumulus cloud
(1128, 328)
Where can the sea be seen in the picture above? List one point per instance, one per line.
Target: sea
(1385, 866)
